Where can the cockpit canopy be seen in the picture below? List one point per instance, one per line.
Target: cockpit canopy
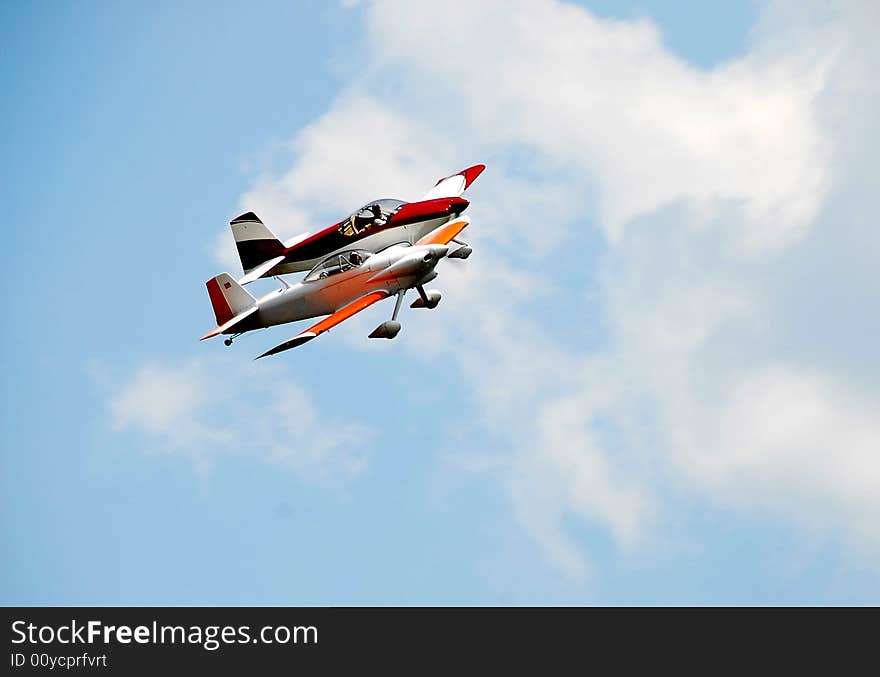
(338, 263)
(375, 213)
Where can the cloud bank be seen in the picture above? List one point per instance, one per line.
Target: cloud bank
(674, 287)
(210, 408)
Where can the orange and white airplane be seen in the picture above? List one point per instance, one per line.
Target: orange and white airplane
(341, 285)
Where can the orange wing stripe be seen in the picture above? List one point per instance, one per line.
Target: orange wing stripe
(444, 234)
(346, 312)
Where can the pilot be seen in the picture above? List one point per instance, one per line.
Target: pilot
(377, 214)
(355, 259)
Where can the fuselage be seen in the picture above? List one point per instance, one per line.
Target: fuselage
(409, 222)
(398, 267)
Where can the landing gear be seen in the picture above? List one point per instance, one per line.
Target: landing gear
(228, 342)
(462, 252)
(428, 299)
(391, 328)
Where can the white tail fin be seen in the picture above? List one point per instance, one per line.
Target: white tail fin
(256, 244)
(228, 298)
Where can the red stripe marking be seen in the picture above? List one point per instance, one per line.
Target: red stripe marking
(222, 311)
(311, 238)
(471, 173)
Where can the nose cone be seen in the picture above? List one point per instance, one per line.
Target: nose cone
(413, 264)
(457, 205)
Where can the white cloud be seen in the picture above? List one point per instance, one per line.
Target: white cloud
(377, 156)
(733, 202)
(209, 408)
(792, 441)
(608, 99)
(158, 400)
(564, 471)
(225, 253)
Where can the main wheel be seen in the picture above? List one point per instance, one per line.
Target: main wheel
(227, 342)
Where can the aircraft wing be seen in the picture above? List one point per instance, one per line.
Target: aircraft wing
(455, 185)
(445, 233)
(328, 322)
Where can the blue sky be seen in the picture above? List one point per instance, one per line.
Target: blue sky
(540, 438)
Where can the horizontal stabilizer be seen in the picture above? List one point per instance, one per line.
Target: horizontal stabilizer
(260, 270)
(223, 328)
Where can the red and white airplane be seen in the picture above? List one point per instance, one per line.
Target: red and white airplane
(341, 285)
(373, 227)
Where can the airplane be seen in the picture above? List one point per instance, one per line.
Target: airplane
(340, 285)
(374, 226)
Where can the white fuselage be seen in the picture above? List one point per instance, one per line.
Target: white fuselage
(306, 299)
(409, 233)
